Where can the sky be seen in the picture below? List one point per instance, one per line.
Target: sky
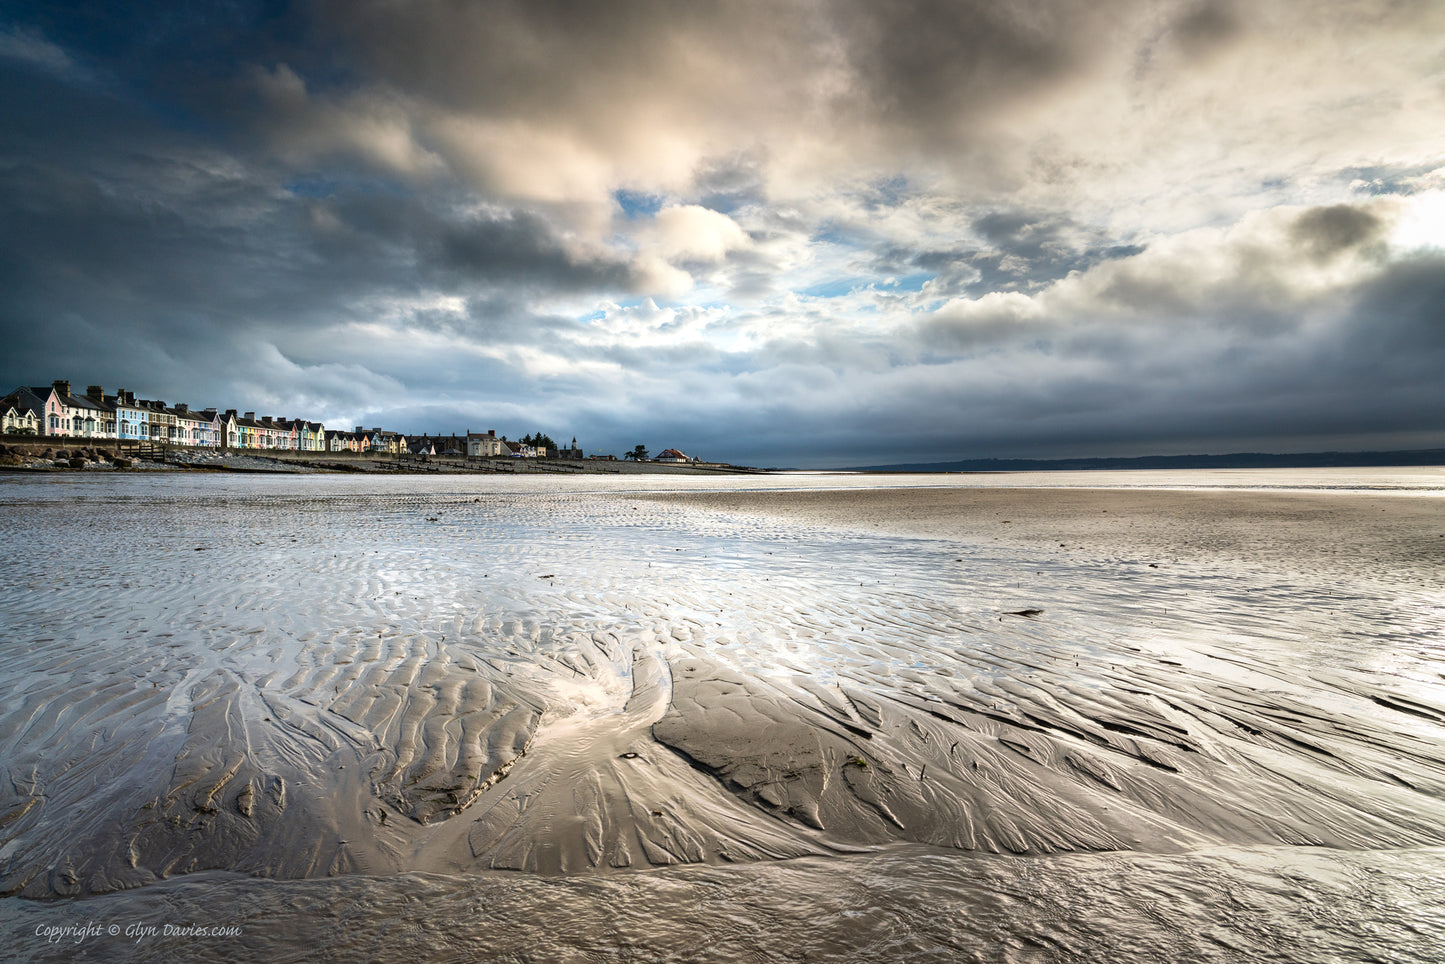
(784, 233)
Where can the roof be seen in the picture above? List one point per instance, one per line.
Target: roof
(73, 400)
(14, 401)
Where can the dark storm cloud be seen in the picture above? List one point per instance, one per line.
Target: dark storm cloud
(523, 248)
(146, 256)
(790, 232)
(1205, 28)
(1396, 338)
(933, 65)
(1144, 351)
(1325, 232)
(673, 92)
(1025, 250)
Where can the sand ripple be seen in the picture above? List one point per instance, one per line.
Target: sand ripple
(292, 678)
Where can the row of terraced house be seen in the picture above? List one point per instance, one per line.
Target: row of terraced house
(57, 411)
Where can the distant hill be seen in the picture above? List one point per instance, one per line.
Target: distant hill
(1239, 460)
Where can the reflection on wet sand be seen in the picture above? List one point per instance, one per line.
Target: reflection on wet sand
(302, 680)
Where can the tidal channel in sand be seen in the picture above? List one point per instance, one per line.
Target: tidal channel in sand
(785, 717)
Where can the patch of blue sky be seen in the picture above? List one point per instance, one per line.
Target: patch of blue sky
(1388, 179)
(624, 304)
(909, 282)
(836, 288)
(839, 287)
(833, 234)
(636, 205)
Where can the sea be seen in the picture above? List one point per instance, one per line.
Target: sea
(555, 718)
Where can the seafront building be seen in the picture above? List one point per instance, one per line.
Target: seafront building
(132, 418)
(64, 414)
(56, 411)
(485, 446)
(18, 417)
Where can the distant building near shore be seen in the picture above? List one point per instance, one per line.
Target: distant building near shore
(454, 446)
(55, 411)
(520, 450)
(485, 446)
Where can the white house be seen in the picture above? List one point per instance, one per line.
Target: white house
(17, 417)
(70, 416)
(481, 446)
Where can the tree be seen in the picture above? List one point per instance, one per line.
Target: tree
(540, 441)
(638, 454)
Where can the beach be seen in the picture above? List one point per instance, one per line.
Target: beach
(674, 718)
(1351, 532)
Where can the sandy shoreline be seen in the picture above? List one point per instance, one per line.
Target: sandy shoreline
(342, 683)
(23, 454)
(1389, 534)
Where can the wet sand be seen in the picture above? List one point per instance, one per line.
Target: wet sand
(306, 679)
(1393, 535)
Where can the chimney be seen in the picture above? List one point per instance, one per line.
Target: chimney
(231, 412)
(159, 404)
(251, 416)
(96, 392)
(209, 413)
(358, 430)
(182, 409)
(61, 387)
(266, 419)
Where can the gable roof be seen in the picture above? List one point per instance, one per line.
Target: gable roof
(40, 395)
(13, 401)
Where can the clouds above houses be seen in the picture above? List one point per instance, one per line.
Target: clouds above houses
(800, 233)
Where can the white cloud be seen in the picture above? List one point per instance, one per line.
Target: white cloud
(656, 277)
(688, 232)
